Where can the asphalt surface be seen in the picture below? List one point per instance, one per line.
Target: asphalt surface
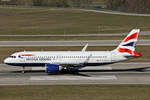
(69, 43)
(121, 73)
(114, 12)
(97, 11)
(83, 34)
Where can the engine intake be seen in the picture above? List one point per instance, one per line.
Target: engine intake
(53, 68)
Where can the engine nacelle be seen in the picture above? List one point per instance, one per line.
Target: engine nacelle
(53, 68)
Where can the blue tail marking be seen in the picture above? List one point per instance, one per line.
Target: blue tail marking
(129, 44)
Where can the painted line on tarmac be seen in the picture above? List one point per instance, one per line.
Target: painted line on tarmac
(75, 35)
(69, 43)
(85, 68)
(14, 84)
(56, 78)
(134, 63)
(37, 68)
(97, 68)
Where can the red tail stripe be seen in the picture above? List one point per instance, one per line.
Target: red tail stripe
(26, 55)
(124, 50)
(133, 36)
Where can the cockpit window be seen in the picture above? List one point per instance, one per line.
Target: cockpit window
(12, 56)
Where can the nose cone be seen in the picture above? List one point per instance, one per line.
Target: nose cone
(6, 61)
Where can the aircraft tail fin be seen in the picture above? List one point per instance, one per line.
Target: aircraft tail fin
(128, 45)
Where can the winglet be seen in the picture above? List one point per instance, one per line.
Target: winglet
(84, 48)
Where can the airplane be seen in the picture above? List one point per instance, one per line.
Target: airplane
(57, 61)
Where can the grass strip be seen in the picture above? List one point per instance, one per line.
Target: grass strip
(68, 21)
(86, 92)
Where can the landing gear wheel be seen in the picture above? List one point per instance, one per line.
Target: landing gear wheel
(69, 70)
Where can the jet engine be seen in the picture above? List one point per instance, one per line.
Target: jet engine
(53, 68)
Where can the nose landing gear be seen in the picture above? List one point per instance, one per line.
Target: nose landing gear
(23, 69)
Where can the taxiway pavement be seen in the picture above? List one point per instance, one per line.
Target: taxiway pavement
(69, 43)
(119, 73)
(144, 33)
(114, 12)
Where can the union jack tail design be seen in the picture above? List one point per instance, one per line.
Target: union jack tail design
(127, 46)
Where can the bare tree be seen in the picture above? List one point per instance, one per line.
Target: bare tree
(140, 6)
(52, 3)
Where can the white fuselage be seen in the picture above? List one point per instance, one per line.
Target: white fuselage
(40, 58)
